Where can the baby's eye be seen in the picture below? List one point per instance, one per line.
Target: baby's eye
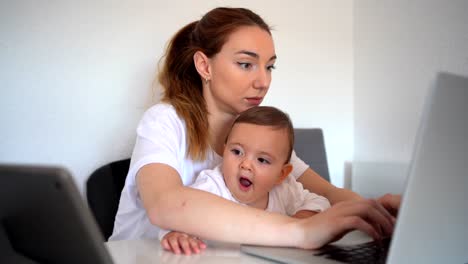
(236, 152)
(263, 161)
(245, 65)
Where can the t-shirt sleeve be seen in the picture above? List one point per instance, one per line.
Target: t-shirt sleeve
(299, 166)
(162, 233)
(160, 139)
(209, 181)
(212, 181)
(296, 198)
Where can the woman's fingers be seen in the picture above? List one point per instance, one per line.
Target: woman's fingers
(351, 223)
(391, 202)
(367, 216)
(380, 218)
(371, 212)
(357, 216)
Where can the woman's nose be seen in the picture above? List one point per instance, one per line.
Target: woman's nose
(262, 79)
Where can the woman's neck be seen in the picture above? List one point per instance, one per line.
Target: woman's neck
(219, 125)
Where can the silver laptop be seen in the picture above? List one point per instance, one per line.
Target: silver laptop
(432, 226)
(43, 219)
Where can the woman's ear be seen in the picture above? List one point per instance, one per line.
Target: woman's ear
(202, 64)
(287, 168)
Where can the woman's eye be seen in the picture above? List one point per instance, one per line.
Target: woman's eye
(271, 67)
(245, 65)
(263, 161)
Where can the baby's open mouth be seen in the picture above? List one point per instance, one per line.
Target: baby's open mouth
(245, 182)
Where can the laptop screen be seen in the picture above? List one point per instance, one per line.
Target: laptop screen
(432, 224)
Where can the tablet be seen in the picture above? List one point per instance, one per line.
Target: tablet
(43, 218)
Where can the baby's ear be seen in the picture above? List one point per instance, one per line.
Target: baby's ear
(287, 168)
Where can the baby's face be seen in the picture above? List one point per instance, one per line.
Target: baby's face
(254, 162)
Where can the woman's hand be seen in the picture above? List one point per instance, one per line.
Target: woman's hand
(391, 202)
(368, 216)
(178, 242)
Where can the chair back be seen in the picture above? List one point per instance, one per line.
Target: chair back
(309, 145)
(103, 189)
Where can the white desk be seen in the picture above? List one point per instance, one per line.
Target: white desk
(150, 251)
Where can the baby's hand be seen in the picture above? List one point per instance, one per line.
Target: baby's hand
(178, 242)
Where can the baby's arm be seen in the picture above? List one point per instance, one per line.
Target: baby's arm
(179, 242)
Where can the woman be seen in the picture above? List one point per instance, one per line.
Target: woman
(214, 69)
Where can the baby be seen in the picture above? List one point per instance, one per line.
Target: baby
(254, 172)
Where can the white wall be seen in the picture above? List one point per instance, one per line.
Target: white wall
(399, 46)
(75, 76)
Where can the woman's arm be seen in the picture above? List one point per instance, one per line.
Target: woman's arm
(171, 205)
(304, 214)
(316, 184)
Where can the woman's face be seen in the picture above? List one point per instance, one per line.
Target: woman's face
(240, 74)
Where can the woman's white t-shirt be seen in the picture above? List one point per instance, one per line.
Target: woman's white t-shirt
(161, 138)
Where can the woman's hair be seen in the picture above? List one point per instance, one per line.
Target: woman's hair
(271, 117)
(182, 85)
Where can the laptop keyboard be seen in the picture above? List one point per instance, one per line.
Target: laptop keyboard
(370, 252)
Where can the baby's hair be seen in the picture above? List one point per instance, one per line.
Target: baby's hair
(271, 117)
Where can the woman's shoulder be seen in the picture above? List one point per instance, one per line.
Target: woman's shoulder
(162, 117)
(160, 109)
(161, 112)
